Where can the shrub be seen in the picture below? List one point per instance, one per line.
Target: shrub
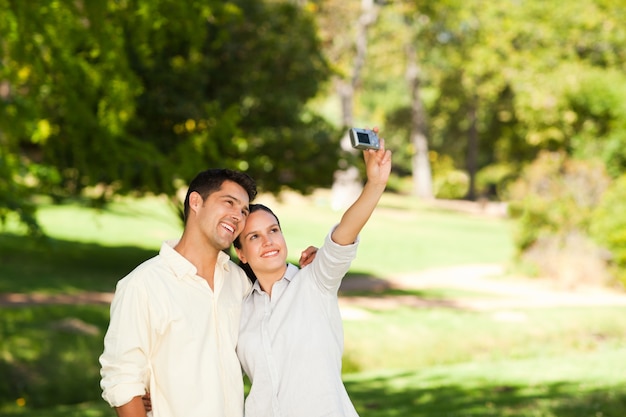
(608, 226)
(448, 182)
(492, 179)
(553, 201)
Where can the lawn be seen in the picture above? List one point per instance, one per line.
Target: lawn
(550, 362)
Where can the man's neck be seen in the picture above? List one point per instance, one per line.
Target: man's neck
(203, 257)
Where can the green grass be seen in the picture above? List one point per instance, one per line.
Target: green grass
(438, 361)
(416, 338)
(402, 236)
(140, 223)
(48, 354)
(85, 249)
(583, 384)
(90, 249)
(60, 266)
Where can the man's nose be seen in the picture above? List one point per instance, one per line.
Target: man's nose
(237, 215)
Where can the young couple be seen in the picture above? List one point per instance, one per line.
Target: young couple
(184, 323)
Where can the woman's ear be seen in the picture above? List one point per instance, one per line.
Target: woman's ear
(240, 255)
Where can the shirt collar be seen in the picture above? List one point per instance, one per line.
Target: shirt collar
(181, 265)
(290, 272)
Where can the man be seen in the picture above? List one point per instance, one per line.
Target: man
(175, 318)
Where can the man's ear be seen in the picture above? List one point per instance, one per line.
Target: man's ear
(195, 201)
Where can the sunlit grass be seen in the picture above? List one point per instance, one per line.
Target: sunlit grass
(142, 223)
(417, 338)
(91, 249)
(403, 235)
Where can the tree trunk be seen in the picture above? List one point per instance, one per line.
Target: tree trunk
(472, 150)
(422, 177)
(347, 182)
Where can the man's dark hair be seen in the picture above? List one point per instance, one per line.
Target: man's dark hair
(211, 180)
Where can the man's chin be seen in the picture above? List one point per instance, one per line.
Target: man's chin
(226, 244)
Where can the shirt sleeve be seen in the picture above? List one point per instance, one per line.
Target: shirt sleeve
(124, 362)
(332, 262)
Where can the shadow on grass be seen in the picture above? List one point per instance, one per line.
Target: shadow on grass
(60, 266)
(49, 354)
(88, 409)
(364, 285)
(378, 398)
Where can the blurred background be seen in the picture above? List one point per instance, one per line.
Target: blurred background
(507, 120)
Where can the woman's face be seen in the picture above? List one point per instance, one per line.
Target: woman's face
(263, 246)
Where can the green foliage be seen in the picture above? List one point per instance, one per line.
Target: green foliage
(448, 182)
(599, 125)
(281, 159)
(14, 192)
(555, 197)
(492, 180)
(608, 226)
(553, 203)
(530, 81)
(133, 97)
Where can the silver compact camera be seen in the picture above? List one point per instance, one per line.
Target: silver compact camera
(364, 139)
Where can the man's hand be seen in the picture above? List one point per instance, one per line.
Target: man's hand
(307, 256)
(147, 402)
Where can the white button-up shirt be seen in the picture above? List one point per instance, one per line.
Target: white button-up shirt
(291, 345)
(170, 334)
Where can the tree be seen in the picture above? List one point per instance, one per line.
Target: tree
(344, 28)
(502, 72)
(137, 96)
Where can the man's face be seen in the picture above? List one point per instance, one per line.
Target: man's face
(222, 216)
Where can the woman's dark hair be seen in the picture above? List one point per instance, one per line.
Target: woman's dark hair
(211, 180)
(237, 243)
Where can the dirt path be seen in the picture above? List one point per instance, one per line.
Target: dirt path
(15, 299)
(486, 287)
(487, 290)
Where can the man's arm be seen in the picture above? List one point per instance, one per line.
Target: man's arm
(134, 408)
(123, 362)
(378, 167)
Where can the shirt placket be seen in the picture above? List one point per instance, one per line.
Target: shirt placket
(266, 332)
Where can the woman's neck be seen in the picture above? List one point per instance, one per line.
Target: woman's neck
(267, 279)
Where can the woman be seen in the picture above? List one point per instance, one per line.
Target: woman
(291, 335)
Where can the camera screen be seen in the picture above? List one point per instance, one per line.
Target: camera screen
(363, 137)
